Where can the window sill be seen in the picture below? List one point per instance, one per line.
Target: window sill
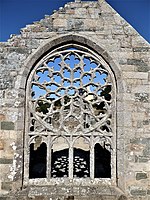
(69, 182)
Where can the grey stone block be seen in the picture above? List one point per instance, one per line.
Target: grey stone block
(140, 176)
(7, 125)
(141, 49)
(138, 192)
(148, 192)
(142, 97)
(136, 62)
(143, 159)
(146, 122)
(143, 68)
(6, 161)
(3, 198)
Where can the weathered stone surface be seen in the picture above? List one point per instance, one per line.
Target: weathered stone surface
(146, 122)
(96, 26)
(140, 176)
(4, 198)
(143, 159)
(142, 68)
(141, 49)
(122, 197)
(1, 144)
(136, 62)
(6, 161)
(148, 192)
(6, 186)
(138, 192)
(143, 97)
(7, 125)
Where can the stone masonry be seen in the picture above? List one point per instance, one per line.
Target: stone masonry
(97, 26)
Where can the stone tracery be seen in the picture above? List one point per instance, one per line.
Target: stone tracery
(71, 96)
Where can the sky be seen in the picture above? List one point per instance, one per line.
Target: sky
(16, 14)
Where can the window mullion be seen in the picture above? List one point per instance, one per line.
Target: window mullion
(71, 159)
(92, 159)
(49, 158)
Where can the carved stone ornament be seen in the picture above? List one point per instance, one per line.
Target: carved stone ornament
(70, 94)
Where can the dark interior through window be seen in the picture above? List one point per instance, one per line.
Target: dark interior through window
(37, 165)
(59, 164)
(81, 163)
(102, 162)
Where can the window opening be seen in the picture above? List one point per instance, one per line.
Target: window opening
(102, 162)
(81, 158)
(60, 158)
(70, 105)
(38, 159)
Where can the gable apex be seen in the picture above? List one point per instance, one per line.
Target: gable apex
(81, 16)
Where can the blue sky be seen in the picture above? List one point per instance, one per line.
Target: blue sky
(15, 14)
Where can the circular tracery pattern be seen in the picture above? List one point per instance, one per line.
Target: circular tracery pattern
(71, 93)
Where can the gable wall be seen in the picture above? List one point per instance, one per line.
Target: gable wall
(97, 25)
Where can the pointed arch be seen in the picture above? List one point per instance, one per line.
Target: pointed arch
(86, 45)
(81, 157)
(59, 157)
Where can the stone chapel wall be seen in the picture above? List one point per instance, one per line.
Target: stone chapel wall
(97, 26)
